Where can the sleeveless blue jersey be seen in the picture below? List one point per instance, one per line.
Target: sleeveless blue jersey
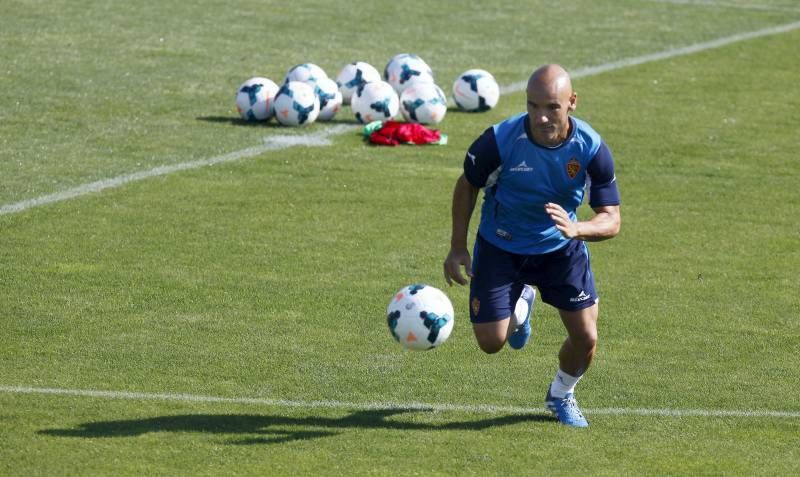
(520, 176)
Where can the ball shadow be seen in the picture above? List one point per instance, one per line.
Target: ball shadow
(271, 124)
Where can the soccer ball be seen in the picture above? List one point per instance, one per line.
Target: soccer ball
(406, 69)
(377, 101)
(423, 103)
(354, 76)
(476, 90)
(254, 99)
(305, 73)
(420, 317)
(330, 99)
(296, 104)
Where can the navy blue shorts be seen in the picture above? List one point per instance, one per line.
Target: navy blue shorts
(564, 279)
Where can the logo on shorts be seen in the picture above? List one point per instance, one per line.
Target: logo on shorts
(476, 306)
(582, 296)
(573, 167)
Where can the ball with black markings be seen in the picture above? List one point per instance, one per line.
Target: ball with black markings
(420, 317)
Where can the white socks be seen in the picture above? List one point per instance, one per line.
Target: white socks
(520, 313)
(563, 384)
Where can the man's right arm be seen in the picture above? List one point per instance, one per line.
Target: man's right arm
(481, 160)
(464, 197)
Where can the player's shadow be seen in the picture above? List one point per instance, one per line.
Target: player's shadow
(274, 429)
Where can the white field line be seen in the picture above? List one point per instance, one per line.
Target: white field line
(328, 404)
(321, 138)
(714, 4)
(663, 55)
(271, 143)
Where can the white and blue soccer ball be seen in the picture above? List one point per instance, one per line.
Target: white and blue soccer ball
(296, 104)
(406, 69)
(377, 101)
(476, 90)
(423, 103)
(330, 99)
(420, 317)
(254, 99)
(305, 73)
(354, 76)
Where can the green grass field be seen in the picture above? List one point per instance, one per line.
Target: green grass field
(266, 279)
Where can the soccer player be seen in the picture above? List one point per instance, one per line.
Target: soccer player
(534, 168)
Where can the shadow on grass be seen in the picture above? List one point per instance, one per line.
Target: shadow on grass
(274, 429)
(271, 124)
(451, 109)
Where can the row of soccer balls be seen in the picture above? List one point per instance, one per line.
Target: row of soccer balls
(407, 86)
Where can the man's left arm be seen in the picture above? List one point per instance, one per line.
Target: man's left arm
(603, 198)
(603, 225)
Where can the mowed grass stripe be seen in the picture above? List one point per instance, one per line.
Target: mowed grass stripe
(332, 404)
(272, 143)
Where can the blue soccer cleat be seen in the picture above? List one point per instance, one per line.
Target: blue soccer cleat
(566, 410)
(519, 338)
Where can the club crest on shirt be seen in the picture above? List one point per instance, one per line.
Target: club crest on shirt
(476, 306)
(573, 167)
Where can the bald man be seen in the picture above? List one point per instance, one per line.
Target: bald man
(534, 168)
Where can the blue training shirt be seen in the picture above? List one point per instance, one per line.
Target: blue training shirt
(519, 176)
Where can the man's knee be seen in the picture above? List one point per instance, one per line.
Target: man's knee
(491, 337)
(582, 328)
(490, 345)
(584, 340)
